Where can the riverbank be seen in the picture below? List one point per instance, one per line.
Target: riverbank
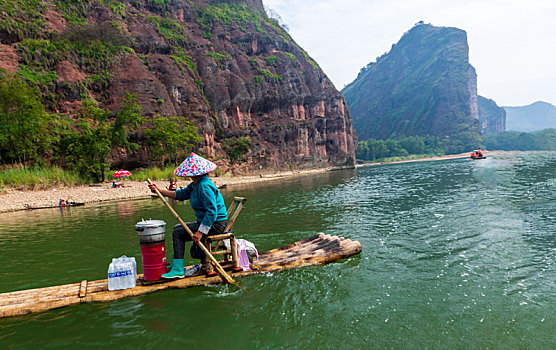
(14, 200)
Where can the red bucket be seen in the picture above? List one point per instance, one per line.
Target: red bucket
(154, 261)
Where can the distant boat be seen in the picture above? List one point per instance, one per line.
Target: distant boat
(477, 154)
(72, 204)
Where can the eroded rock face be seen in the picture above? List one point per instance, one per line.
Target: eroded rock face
(228, 67)
(492, 117)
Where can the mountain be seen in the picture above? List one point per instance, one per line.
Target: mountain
(491, 117)
(536, 116)
(423, 86)
(223, 64)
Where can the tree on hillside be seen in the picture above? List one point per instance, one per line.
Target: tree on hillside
(89, 145)
(236, 147)
(22, 122)
(128, 119)
(171, 138)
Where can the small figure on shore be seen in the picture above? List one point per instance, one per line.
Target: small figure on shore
(209, 207)
(115, 184)
(61, 202)
(173, 185)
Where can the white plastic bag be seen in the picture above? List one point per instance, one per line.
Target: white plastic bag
(122, 273)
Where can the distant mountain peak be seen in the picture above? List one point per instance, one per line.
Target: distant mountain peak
(535, 116)
(424, 85)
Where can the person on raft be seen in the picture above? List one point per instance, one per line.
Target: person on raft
(210, 212)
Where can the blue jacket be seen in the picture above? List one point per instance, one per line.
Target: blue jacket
(206, 201)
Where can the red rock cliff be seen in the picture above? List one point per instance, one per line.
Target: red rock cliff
(224, 64)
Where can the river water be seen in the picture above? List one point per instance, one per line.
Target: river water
(456, 254)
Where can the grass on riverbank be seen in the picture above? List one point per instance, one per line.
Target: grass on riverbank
(37, 178)
(154, 173)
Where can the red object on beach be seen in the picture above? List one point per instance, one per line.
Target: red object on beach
(154, 261)
(121, 173)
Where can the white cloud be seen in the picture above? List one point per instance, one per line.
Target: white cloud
(512, 42)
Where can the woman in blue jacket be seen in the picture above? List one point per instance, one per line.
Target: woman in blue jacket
(209, 207)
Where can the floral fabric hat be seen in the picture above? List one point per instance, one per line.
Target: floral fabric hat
(194, 165)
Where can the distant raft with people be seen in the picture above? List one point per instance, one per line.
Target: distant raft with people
(70, 204)
(316, 250)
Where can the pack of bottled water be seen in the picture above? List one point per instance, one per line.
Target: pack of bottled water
(122, 273)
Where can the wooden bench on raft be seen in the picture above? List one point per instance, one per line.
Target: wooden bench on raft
(230, 255)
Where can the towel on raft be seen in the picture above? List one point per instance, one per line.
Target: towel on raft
(244, 248)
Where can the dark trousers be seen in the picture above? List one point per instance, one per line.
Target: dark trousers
(179, 236)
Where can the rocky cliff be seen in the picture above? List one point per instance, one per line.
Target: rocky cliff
(491, 117)
(224, 64)
(423, 86)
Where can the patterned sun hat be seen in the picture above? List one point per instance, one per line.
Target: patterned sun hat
(194, 165)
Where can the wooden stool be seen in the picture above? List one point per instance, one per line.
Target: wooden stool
(230, 255)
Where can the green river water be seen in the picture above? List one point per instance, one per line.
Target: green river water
(457, 254)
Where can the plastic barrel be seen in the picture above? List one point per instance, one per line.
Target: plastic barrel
(154, 261)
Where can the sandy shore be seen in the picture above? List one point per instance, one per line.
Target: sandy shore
(14, 200)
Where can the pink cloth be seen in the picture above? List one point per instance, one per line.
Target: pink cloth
(243, 259)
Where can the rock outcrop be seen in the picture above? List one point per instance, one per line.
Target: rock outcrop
(491, 117)
(224, 64)
(423, 86)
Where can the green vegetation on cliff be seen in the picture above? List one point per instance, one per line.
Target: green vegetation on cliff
(23, 122)
(29, 135)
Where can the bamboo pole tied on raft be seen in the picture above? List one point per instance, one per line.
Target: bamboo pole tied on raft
(223, 274)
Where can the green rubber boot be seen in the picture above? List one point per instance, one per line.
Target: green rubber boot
(176, 271)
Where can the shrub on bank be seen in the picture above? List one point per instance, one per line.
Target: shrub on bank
(156, 173)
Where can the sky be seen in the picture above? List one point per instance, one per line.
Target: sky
(512, 43)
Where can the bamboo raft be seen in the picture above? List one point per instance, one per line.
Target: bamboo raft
(316, 250)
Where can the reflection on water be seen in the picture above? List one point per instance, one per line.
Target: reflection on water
(126, 208)
(456, 254)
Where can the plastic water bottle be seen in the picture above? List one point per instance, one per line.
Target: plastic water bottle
(113, 278)
(193, 270)
(130, 268)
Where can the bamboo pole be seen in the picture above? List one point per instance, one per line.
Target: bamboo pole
(225, 277)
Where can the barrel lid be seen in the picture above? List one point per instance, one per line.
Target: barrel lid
(150, 223)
